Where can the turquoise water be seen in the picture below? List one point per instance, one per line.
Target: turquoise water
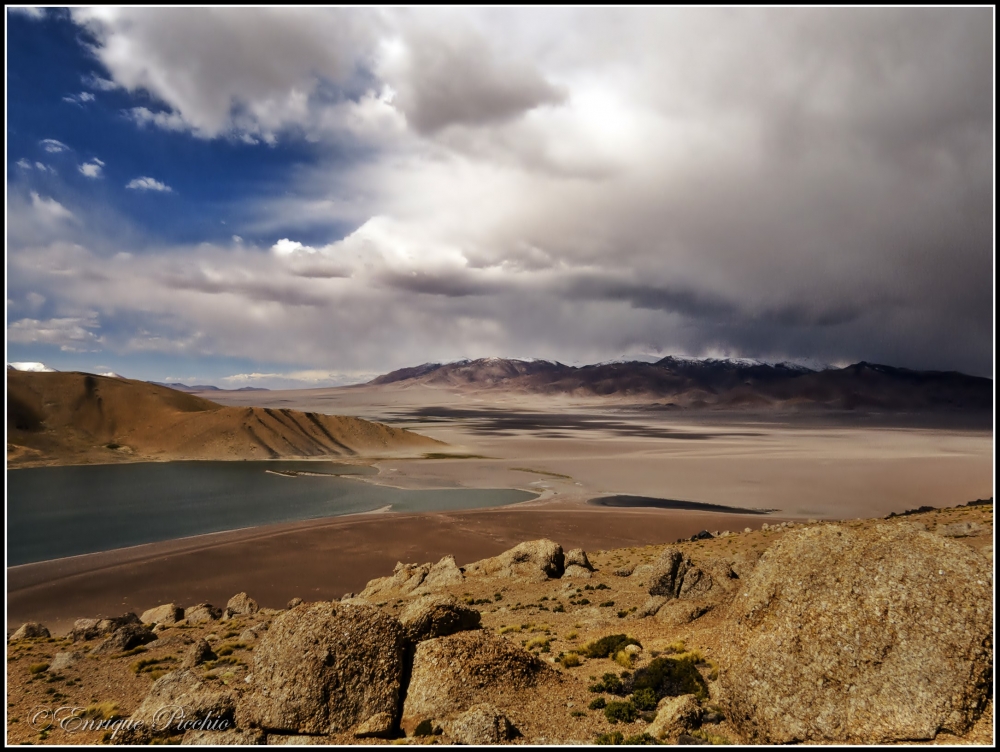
(54, 512)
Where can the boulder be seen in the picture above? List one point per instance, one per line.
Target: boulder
(198, 653)
(28, 631)
(294, 602)
(242, 737)
(625, 571)
(675, 716)
(176, 697)
(578, 572)
(455, 672)
(868, 636)
(241, 604)
(535, 560)
(169, 613)
(445, 572)
(437, 616)
(124, 638)
(405, 579)
(481, 724)
(324, 668)
(675, 613)
(960, 529)
(90, 629)
(62, 661)
(652, 604)
(578, 557)
(201, 613)
(253, 632)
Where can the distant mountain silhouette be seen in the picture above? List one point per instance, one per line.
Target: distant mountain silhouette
(718, 383)
(206, 388)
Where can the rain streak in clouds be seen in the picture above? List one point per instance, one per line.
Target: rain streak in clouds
(565, 184)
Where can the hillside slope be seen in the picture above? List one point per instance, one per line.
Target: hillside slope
(73, 418)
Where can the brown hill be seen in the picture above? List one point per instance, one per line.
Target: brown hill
(72, 418)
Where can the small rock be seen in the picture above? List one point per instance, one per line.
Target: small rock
(168, 613)
(578, 572)
(747, 530)
(125, 638)
(294, 602)
(346, 596)
(674, 716)
(200, 652)
(201, 613)
(379, 725)
(687, 739)
(89, 629)
(481, 724)
(253, 632)
(578, 557)
(61, 661)
(650, 607)
(625, 571)
(29, 630)
(241, 604)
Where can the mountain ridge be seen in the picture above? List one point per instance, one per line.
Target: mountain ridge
(698, 383)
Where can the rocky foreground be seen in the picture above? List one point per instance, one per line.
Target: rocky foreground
(874, 631)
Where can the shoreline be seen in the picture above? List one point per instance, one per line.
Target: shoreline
(322, 559)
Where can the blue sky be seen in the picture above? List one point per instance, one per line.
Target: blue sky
(303, 197)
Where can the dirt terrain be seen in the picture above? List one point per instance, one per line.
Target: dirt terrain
(551, 617)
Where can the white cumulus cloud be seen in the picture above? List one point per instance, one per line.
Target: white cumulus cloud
(92, 169)
(148, 184)
(53, 146)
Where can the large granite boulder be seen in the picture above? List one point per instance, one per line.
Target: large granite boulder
(869, 636)
(675, 716)
(404, 580)
(324, 668)
(437, 616)
(445, 572)
(455, 672)
(534, 560)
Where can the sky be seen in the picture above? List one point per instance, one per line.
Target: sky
(297, 197)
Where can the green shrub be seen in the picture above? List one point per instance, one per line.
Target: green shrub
(577, 713)
(644, 699)
(607, 604)
(642, 738)
(620, 711)
(602, 586)
(597, 703)
(424, 728)
(609, 683)
(614, 737)
(670, 677)
(609, 645)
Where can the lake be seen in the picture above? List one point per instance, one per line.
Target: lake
(54, 512)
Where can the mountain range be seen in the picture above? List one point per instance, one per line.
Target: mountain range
(720, 383)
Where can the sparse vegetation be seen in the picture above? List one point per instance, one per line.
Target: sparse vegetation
(613, 737)
(622, 711)
(597, 703)
(101, 711)
(669, 677)
(569, 660)
(609, 683)
(609, 645)
(37, 668)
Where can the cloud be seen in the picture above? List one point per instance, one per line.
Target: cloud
(92, 169)
(168, 121)
(34, 13)
(82, 98)
(148, 184)
(24, 164)
(50, 210)
(52, 146)
(69, 334)
(449, 74)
